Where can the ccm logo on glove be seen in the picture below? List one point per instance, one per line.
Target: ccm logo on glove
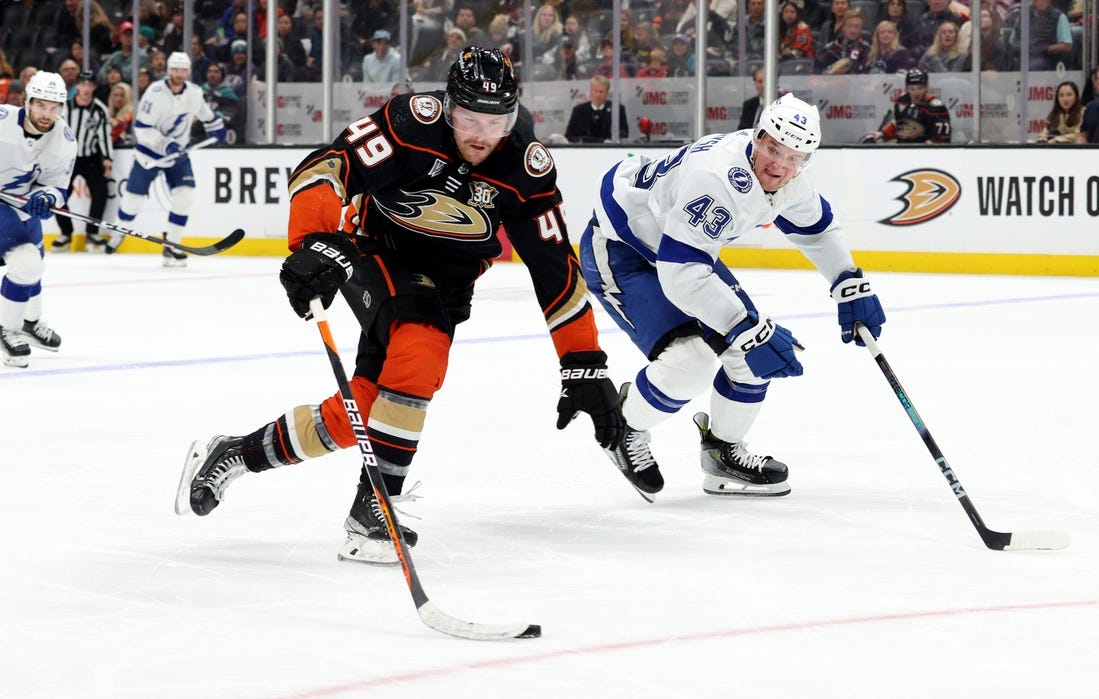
(760, 334)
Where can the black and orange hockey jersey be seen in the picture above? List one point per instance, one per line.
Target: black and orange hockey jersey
(927, 121)
(396, 179)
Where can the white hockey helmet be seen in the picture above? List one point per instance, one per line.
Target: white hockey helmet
(178, 59)
(793, 123)
(48, 86)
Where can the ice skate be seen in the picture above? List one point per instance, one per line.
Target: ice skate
(368, 535)
(14, 347)
(112, 244)
(207, 473)
(733, 470)
(174, 258)
(41, 335)
(634, 460)
(94, 243)
(62, 243)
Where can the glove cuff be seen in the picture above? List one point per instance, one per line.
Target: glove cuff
(590, 358)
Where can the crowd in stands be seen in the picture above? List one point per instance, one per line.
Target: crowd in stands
(568, 40)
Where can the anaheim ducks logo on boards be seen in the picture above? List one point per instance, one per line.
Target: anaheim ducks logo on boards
(930, 193)
(426, 109)
(538, 160)
(436, 214)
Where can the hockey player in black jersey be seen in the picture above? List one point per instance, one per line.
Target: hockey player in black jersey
(918, 115)
(401, 214)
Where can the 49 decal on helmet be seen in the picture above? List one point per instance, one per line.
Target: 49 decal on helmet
(930, 194)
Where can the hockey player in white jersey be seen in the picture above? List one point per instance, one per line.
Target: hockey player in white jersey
(650, 255)
(162, 127)
(37, 152)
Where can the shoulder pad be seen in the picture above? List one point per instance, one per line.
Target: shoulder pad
(935, 102)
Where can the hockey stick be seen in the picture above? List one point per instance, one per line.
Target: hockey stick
(1000, 541)
(171, 158)
(431, 615)
(220, 246)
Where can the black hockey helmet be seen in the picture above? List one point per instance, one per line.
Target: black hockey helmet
(915, 76)
(483, 80)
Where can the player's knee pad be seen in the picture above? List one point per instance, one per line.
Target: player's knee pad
(334, 415)
(684, 368)
(130, 205)
(183, 198)
(24, 264)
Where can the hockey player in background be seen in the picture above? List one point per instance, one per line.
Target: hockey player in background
(37, 152)
(651, 256)
(162, 127)
(918, 115)
(400, 212)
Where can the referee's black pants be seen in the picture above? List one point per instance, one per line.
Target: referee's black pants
(90, 167)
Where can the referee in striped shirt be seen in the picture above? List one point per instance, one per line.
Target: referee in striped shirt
(91, 124)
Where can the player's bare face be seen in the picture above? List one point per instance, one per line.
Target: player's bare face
(917, 92)
(775, 164)
(177, 77)
(43, 113)
(477, 134)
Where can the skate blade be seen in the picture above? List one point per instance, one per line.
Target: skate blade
(196, 454)
(35, 342)
(723, 486)
(360, 549)
(647, 497)
(18, 362)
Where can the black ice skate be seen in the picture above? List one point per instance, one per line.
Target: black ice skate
(14, 347)
(63, 243)
(367, 533)
(207, 473)
(634, 460)
(174, 258)
(41, 335)
(95, 243)
(733, 470)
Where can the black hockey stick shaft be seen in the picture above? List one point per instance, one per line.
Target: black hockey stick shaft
(429, 613)
(202, 251)
(992, 539)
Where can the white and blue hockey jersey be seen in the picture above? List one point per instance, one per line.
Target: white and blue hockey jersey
(163, 117)
(678, 212)
(29, 164)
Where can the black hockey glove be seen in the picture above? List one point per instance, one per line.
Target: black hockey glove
(318, 268)
(585, 387)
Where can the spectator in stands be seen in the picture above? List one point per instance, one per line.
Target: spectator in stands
(749, 111)
(1089, 130)
(437, 65)
(498, 32)
(120, 107)
(605, 67)
(103, 90)
(918, 115)
(291, 44)
(224, 102)
(945, 54)
(200, 61)
(1064, 120)
(99, 32)
(466, 20)
(240, 69)
(68, 71)
(575, 32)
(670, 13)
(76, 52)
(721, 29)
(313, 68)
(887, 55)
(65, 24)
(658, 63)
(546, 33)
(644, 39)
(144, 78)
(567, 67)
(681, 59)
(27, 73)
(17, 94)
(849, 53)
(994, 52)
(375, 15)
(1050, 36)
(938, 11)
(382, 66)
(158, 64)
(146, 38)
(896, 11)
(7, 70)
(754, 24)
(832, 27)
(795, 38)
(123, 58)
(590, 121)
(625, 31)
(154, 15)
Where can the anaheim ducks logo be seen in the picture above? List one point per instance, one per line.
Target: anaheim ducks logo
(426, 109)
(436, 214)
(538, 160)
(930, 193)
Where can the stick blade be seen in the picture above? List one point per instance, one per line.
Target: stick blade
(1038, 541)
(229, 240)
(439, 620)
